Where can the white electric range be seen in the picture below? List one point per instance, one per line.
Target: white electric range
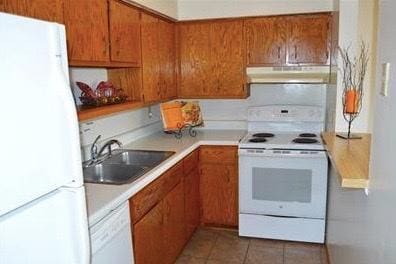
(283, 174)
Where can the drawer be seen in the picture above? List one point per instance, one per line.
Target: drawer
(147, 198)
(218, 154)
(190, 162)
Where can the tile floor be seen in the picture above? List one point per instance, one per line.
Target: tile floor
(217, 246)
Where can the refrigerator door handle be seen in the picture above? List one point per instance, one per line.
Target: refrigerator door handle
(66, 97)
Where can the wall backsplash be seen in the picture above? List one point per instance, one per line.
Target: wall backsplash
(231, 114)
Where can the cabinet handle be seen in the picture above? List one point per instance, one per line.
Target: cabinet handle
(279, 51)
(295, 51)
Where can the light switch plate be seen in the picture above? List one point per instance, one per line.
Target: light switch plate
(385, 79)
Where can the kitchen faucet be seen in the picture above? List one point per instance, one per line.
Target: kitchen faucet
(108, 145)
(94, 148)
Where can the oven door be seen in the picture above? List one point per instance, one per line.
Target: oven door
(288, 183)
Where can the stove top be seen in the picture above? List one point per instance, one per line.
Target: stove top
(282, 140)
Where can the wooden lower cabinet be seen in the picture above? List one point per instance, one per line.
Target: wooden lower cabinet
(219, 186)
(173, 236)
(158, 219)
(191, 198)
(166, 213)
(147, 237)
(219, 195)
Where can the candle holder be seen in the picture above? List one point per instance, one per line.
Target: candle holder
(353, 73)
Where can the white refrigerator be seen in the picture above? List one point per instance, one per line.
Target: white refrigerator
(43, 216)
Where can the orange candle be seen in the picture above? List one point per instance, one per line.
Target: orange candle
(351, 102)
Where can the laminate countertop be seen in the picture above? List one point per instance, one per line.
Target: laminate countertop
(350, 158)
(103, 198)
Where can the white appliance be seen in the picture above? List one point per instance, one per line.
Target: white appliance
(111, 240)
(43, 216)
(283, 174)
(288, 74)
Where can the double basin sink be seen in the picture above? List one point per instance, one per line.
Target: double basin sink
(123, 166)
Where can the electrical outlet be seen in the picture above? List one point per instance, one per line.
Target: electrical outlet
(385, 79)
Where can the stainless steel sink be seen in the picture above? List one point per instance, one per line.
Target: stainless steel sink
(123, 166)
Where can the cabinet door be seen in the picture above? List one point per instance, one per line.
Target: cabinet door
(266, 41)
(167, 57)
(227, 59)
(191, 194)
(150, 63)
(174, 226)
(50, 10)
(124, 33)
(308, 40)
(148, 237)
(219, 194)
(195, 69)
(87, 30)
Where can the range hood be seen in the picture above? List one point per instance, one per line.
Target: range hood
(288, 74)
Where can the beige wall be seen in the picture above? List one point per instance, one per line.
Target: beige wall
(358, 21)
(361, 229)
(200, 9)
(166, 7)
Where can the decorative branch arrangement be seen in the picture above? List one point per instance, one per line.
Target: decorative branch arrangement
(353, 72)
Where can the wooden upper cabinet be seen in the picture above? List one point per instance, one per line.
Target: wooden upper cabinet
(124, 33)
(194, 53)
(50, 10)
(227, 59)
(150, 65)
(87, 30)
(309, 39)
(167, 59)
(266, 41)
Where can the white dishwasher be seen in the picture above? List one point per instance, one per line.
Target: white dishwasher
(111, 238)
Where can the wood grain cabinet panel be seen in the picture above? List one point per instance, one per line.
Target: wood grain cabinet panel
(87, 25)
(211, 57)
(219, 194)
(191, 162)
(227, 59)
(144, 200)
(124, 33)
(192, 200)
(308, 39)
(158, 59)
(266, 41)
(167, 59)
(148, 237)
(50, 10)
(195, 64)
(218, 154)
(150, 66)
(219, 185)
(174, 236)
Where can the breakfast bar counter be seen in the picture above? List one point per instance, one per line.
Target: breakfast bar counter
(350, 158)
